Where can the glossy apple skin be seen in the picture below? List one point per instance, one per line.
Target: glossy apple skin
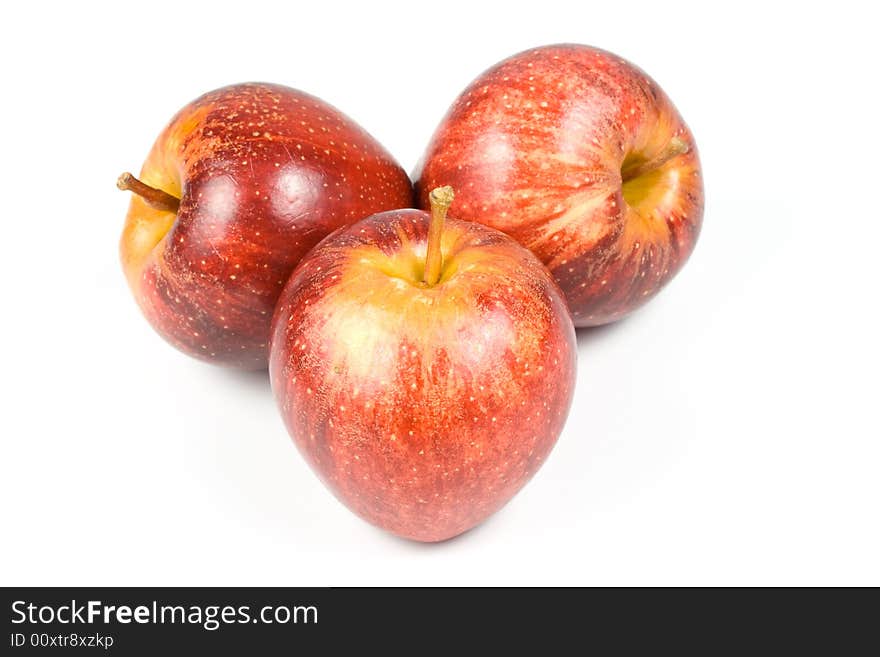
(535, 146)
(263, 172)
(424, 409)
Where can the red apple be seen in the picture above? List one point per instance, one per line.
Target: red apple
(424, 372)
(238, 187)
(581, 157)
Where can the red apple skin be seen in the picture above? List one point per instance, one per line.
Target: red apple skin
(535, 147)
(423, 409)
(263, 172)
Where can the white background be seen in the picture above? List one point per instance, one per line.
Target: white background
(726, 434)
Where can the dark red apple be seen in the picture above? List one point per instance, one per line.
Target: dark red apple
(237, 188)
(581, 157)
(425, 371)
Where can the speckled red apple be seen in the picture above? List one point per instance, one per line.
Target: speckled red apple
(238, 187)
(424, 378)
(582, 158)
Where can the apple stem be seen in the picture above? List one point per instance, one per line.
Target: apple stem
(155, 198)
(441, 199)
(674, 148)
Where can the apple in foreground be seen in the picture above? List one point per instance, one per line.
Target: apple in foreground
(237, 188)
(424, 370)
(582, 158)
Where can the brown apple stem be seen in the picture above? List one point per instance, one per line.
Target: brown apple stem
(674, 148)
(441, 199)
(155, 198)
